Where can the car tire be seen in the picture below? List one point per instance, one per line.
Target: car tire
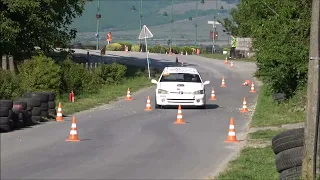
(289, 158)
(287, 140)
(156, 106)
(292, 173)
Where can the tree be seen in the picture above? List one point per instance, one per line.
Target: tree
(281, 32)
(43, 23)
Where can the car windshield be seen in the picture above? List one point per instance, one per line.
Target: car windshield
(180, 77)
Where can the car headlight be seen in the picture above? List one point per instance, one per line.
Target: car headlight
(199, 92)
(161, 91)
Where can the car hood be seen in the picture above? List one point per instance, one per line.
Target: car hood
(180, 86)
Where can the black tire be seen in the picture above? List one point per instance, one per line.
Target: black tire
(42, 97)
(29, 108)
(31, 101)
(18, 122)
(30, 113)
(36, 111)
(4, 112)
(44, 114)
(26, 118)
(4, 120)
(294, 173)
(36, 119)
(289, 158)
(52, 112)
(5, 128)
(51, 104)
(287, 140)
(156, 106)
(51, 95)
(6, 103)
(44, 106)
(23, 104)
(10, 114)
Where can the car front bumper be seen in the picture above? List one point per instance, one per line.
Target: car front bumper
(183, 100)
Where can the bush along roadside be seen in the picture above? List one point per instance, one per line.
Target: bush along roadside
(273, 146)
(120, 46)
(41, 84)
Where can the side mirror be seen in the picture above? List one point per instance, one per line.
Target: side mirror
(206, 83)
(154, 81)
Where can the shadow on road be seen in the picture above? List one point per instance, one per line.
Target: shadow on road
(208, 106)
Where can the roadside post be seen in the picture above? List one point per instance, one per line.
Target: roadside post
(144, 34)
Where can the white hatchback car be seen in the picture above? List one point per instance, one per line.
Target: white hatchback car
(180, 86)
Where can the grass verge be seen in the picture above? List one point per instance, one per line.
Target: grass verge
(269, 113)
(259, 163)
(223, 57)
(106, 94)
(264, 134)
(253, 163)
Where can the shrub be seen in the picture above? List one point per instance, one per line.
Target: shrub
(226, 49)
(158, 49)
(176, 49)
(187, 49)
(9, 88)
(72, 75)
(91, 82)
(111, 73)
(128, 44)
(114, 47)
(155, 49)
(135, 48)
(40, 73)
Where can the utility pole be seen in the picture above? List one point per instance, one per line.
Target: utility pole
(311, 136)
(98, 16)
(214, 28)
(171, 25)
(140, 19)
(196, 23)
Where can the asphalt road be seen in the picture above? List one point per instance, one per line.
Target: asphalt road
(122, 141)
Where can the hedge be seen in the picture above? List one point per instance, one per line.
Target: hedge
(120, 46)
(41, 73)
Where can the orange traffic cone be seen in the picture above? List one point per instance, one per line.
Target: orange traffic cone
(252, 88)
(128, 98)
(59, 116)
(223, 83)
(232, 132)
(213, 95)
(179, 117)
(244, 106)
(148, 105)
(73, 136)
(246, 83)
(226, 60)
(232, 64)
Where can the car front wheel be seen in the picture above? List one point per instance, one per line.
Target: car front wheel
(156, 106)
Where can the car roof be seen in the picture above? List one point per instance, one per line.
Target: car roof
(189, 70)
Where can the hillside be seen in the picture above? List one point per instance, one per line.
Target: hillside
(118, 17)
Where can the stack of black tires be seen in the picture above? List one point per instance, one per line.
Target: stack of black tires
(40, 112)
(33, 108)
(6, 122)
(288, 148)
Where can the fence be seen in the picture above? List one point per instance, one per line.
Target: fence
(7, 62)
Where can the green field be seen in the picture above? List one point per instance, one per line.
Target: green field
(118, 14)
